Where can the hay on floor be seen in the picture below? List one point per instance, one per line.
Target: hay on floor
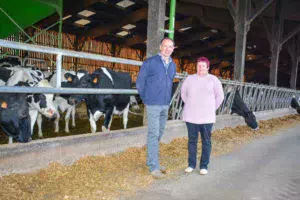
(107, 177)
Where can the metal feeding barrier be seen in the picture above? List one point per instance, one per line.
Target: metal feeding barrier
(257, 97)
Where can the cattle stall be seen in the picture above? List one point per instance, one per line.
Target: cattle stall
(255, 97)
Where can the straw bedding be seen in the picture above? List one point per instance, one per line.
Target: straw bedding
(121, 174)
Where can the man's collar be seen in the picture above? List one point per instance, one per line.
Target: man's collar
(170, 59)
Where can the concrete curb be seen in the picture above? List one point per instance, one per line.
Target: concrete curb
(29, 157)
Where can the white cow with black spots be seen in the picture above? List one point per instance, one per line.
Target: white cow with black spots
(39, 104)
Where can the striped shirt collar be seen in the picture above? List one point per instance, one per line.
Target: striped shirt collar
(165, 64)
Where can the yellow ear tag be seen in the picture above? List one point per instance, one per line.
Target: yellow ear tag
(95, 80)
(69, 79)
(3, 104)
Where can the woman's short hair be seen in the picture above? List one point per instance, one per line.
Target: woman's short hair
(203, 59)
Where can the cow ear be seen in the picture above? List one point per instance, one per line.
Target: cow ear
(68, 76)
(95, 80)
(4, 104)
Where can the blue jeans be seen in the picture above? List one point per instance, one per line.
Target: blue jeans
(157, 117)
(193, 130)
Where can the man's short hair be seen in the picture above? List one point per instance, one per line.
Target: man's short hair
(167, 38)
(203, 59)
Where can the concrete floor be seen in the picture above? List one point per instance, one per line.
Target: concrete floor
(267, 168)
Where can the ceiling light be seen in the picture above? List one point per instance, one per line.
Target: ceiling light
(125, 3)
(66, 17)
(82, 22)
(86, 13)
(204, 38)
(254, 46)
(184, 29)
(214, 30)
(249, 47)
(123, 33)
(129, 26)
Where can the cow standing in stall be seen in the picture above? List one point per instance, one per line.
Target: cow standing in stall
(238, 107)
(105, 104)
(14, 116)
(38, 103)
(69, 79)
(295, 104)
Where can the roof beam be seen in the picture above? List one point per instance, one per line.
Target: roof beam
(231, 8)
(130, 19)
(192, 37)
(208, 16)
(291, 34)
(190, 22)
(209, 46)
(134, 40)
(259, 11)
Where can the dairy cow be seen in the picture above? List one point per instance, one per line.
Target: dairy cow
(105, 104)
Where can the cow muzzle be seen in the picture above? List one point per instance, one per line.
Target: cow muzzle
(72, 101)
(51, 114)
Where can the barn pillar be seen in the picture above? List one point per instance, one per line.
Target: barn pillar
(241, 29)
(294, 51)
(276, 43)
(156, 23)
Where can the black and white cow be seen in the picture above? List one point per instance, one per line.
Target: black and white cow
(240, 108)
(69, 79)
(295, 104)
(105, 104)
(38, 103)
(9, 62)
(14, 116)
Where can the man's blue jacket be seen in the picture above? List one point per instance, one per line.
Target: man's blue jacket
(154, 82)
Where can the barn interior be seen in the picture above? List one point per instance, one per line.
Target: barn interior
(118, 28)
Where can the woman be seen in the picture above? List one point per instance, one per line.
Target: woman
(202, 94)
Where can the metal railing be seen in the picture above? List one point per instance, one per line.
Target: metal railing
(257, 97)
(59, 56)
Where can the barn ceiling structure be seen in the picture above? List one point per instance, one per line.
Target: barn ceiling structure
(202, 28)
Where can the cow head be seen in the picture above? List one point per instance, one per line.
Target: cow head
(43, 102)
(14, 115)
(295, 104)
(250, 120)
(84, 81)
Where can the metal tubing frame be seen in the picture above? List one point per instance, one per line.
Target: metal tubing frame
(257, 97)
(68, 53)
(36, 59)
(281, 96)
(172, 19)
(59, 55)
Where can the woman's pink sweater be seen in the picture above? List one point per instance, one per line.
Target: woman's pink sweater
(202, 96)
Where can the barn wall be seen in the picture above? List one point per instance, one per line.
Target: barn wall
(21, 158)
(87, 45)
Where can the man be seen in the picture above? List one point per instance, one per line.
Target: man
(154, 84)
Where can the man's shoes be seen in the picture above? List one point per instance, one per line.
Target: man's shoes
(189, 170)
(203, 171)
(163, 169)
(157, 174)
